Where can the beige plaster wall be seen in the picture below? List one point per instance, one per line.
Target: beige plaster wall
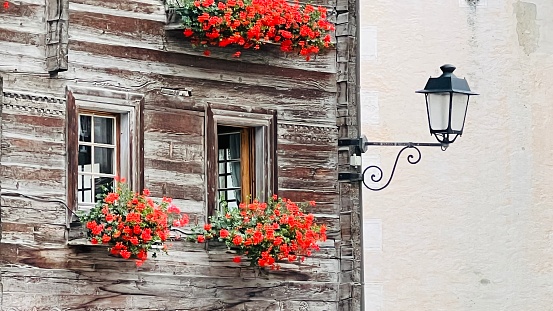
(470, 228)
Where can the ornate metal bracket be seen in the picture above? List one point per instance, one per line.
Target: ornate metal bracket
(361, 146)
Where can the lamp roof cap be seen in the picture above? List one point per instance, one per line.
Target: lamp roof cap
(447, 83)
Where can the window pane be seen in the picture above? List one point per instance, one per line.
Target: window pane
(104, 158)
(234, 147)
(458, 111)
(103, 130)
(84, 189)
(234, 178)
(85, 159)
(222, 196)
(232, 205)
(438, 109)
(103, 185)
(85, 125)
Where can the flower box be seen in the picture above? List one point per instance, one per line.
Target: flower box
(132, 224)
(265, 233)
(250, 24)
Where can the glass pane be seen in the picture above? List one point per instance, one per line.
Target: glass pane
(231, 182)
(458, 111)
(103, 160)
(222, 183)
(85, 159)
(235, 176)
(221, 154)
(84, 189)
(103, 185)
(103, 130)
(438, 110)
(232, 205)
(85, 125)
(234, 147)
(222, 196)
(222, 168)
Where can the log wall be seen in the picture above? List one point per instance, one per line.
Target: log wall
(126, 46)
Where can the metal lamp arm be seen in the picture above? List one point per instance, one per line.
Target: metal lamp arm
(411, 158)
(361, 146)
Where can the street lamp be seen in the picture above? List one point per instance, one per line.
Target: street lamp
(447, 98)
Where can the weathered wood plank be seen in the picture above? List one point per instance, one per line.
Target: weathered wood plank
(20, 36)
(34, 180)
(108, 301)
(198, 61)
(144, 7)
(32, 151)
(27, 211)
(103, 62)
(174, 154)
(31, 234)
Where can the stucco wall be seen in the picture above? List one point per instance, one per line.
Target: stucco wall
(470, 228)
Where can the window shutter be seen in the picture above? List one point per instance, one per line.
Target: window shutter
(72, 136)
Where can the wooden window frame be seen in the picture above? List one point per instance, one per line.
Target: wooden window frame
(129, 109)
(265, 170)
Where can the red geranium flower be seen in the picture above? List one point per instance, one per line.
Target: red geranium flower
(257, 231)
(251, 23)
(223, 233)
(131, 222)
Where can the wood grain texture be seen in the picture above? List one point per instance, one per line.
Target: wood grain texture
(122, 47)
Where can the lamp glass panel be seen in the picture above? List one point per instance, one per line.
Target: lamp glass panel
(458, 111)
(438, 110)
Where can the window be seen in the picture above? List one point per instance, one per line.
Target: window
(98, 154)
(241, 170)
(241, 157)
(104, 140)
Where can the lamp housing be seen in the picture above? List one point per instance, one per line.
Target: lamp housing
(447, 99)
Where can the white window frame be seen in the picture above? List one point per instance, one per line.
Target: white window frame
(116, 146)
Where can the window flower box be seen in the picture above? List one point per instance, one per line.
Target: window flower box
(250, 24)
(132, 224)
(265, 233)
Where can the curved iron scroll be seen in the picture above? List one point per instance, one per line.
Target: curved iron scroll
(377, 177)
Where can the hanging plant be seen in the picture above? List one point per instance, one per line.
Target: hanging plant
(278, 230)
(131, 223)
(248, 24)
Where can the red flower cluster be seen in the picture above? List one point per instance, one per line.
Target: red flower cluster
(131, 222)
(266, 232)
(6, 5)
(251, 23)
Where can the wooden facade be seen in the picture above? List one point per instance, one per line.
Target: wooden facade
(55, 55)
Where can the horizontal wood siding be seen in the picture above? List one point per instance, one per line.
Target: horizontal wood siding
(32, 163)
(124, 46)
